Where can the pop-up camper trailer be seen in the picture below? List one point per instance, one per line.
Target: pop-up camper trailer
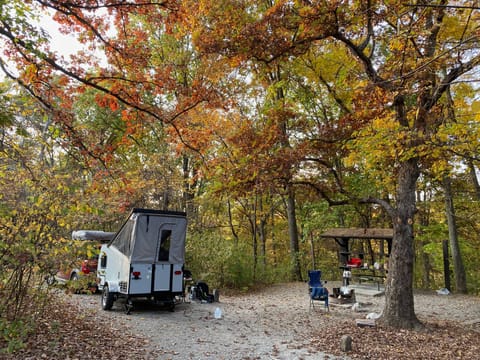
(145, 259)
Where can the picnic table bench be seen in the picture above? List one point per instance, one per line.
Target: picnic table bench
(369, 275)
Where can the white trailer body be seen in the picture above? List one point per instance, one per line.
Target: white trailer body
(145, 258)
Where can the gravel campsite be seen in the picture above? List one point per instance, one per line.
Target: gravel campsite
(274, 322)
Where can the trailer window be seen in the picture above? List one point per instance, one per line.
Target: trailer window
(165, 238)
(103, 261)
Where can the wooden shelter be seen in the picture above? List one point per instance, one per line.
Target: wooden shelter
(342, 237)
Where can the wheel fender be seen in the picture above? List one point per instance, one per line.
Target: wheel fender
(112, 286)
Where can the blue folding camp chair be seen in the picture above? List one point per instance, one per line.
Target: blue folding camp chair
(316, 290)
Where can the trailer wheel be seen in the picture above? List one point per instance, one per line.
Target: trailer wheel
(50, 280)
(107, 298)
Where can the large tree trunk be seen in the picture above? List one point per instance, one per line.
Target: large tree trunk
(399, 306)
(460, 277)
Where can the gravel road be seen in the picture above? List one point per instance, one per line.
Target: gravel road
(274, 323)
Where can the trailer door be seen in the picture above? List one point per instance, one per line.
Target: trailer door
(163, 268)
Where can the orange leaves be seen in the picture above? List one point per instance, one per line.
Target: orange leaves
(107, 100)
(113, 104)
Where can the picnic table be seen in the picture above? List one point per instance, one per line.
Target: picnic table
(366, 274)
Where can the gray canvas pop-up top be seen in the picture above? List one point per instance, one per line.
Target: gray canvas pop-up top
(145, 233)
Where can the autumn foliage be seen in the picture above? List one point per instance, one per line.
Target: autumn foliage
(268, 121)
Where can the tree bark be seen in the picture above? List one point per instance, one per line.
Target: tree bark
(459, 269)
(399, 305)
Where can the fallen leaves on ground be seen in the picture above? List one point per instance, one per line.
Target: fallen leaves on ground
(80, 330)
(66, 332)
(438, 340)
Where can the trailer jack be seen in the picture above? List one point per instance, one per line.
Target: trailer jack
(128, 306)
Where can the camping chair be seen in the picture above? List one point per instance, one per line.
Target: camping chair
(316, 290)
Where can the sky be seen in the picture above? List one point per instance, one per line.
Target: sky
(64, 44)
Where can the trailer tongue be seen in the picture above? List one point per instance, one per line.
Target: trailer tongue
(145, 259)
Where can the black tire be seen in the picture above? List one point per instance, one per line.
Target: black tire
(107, 298)
(50, 280)
(74, 277)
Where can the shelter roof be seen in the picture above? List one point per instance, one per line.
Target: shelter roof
(358, 233)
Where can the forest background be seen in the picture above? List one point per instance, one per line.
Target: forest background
(266, 121)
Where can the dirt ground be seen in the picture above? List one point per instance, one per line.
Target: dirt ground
(277, 323)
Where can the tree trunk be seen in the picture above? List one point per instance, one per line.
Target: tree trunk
(263, 236)
(253, 223)
(312, 250)
(293, 234)
(446, 265)
(459, 269)
(473, 175)
(188, 187)
(274, 244)
(399, 305)
(230, 223)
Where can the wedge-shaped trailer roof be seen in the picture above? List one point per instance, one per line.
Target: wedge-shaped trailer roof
(138, 238)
